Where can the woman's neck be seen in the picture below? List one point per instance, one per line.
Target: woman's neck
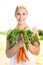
(21, 26)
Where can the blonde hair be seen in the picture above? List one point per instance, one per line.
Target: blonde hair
(22, 7)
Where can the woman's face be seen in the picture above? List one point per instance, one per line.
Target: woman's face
(21, 15)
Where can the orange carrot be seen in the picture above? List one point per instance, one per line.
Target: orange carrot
(24, 51)
(23, 55)
(27, 57)
(19, 55)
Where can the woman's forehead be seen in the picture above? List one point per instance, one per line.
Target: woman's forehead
(21, 10)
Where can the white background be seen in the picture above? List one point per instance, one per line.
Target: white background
(7, 10)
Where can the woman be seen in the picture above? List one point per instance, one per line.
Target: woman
(21, 15)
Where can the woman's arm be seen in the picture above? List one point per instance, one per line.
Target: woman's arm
(35, 49)
(14, 49)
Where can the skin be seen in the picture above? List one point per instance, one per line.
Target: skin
(21, 16)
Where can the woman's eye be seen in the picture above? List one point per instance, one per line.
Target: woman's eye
(18, 14)
(23, 13)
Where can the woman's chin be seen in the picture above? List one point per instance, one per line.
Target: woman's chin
(21, 22)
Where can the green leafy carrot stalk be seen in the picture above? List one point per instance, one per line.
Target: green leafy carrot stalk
(12, 36)
(32, 37)
(25, 36)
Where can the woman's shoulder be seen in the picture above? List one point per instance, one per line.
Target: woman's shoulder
(9, 30)
(27, 27)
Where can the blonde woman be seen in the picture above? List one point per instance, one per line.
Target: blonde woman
(21, 14)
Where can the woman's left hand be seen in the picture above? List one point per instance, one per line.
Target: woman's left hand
(34, 30)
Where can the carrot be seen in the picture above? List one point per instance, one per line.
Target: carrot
(19, 55)
(24, 51)
(23, 56)
(27, 57)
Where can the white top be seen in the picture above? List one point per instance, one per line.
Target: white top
(30, 56)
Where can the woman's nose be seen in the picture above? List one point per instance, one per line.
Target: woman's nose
(21, 16)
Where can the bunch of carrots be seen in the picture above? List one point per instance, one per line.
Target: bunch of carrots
(22, 55)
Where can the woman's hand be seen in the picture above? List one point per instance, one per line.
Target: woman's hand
(34, 49)
(21, 42)
(34, 30)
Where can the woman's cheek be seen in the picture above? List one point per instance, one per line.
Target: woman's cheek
(17, 18)
(24, 18)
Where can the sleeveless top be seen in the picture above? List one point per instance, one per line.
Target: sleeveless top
(14, 58)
